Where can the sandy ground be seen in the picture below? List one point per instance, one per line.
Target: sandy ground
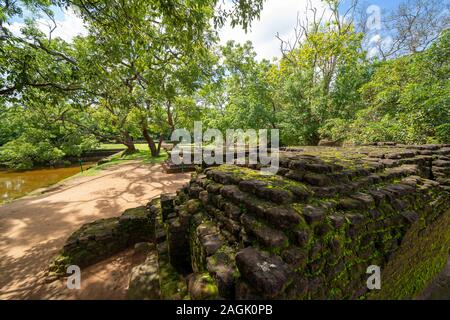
(33, 230)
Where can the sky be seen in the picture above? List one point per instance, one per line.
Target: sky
(68, 23)
(278, 16)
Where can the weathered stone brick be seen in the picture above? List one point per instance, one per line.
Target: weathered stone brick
(316, 179)
(366, 200)
(410, 216)
(282, 217)
(313, 215)
(265, 273)
(349, 204)
(276, 195)
(252, 186)
(337, 221)
(267, 236)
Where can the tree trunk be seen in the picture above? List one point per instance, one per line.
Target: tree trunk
(128, 142)
(170, 117)
(151, 143)
(161, 138)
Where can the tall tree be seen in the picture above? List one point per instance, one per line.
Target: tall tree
(320, 74)
(134, 51)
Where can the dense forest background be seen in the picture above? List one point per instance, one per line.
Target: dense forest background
(147, 67)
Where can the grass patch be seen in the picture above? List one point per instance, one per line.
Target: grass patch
(113, 146)
(143, 156)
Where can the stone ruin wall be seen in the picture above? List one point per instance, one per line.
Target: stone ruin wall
(309, 232)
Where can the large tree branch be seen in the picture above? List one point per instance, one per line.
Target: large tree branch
(12, 89)
(41, 46)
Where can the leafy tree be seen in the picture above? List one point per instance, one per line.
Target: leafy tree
(39, 84)
(408, 98)
(42, 131)
(150, 66)
(10, 124)
(244, 86)
(319, 78)
(139, 58)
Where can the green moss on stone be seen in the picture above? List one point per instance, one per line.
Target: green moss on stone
(421, 257)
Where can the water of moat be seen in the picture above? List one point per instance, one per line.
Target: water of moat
(16, 184)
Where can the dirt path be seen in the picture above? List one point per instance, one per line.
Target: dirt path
(32, 230)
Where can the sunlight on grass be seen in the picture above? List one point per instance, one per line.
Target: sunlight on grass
(112, 146)
(143, 156)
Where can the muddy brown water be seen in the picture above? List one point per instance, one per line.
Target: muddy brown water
(16, 184)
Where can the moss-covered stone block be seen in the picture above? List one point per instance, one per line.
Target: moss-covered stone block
(100, 239)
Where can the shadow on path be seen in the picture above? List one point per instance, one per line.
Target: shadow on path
(33, 230)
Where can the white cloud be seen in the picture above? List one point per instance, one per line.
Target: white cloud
(278, 16)
(15, 28)
(67, 28)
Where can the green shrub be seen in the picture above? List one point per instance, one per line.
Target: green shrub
(443, 133)
(21, 154)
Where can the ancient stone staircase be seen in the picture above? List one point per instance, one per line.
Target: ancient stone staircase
(309, 232)
(312, 230)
